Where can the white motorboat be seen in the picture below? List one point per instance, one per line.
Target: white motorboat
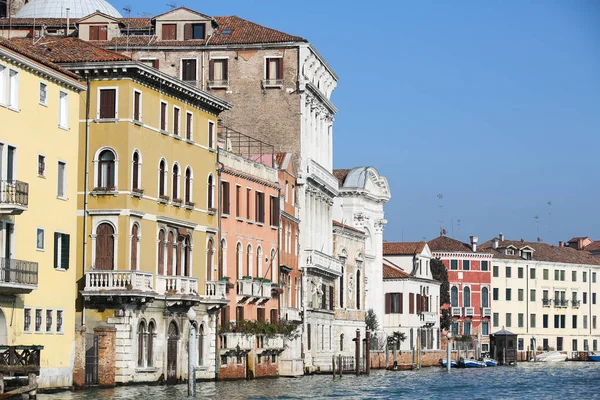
(551, 356)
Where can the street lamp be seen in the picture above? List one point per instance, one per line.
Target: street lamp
(191, 314)
(448, 362)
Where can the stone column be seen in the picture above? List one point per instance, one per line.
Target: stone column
(106, 354)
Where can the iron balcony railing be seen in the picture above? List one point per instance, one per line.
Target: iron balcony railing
(14, 192)
(575, 303)
(561, 303)
(19, 271)
(546, 302)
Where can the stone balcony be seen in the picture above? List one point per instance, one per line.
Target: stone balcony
(486, 312)
(322, 176)
(233, 340)
(430, 317)
(216, 289)
(118, 287)
(468, 311)
(455, 311)
(14, 197)
(321, 263)
(18, 276)
(177, 285)
(253, 290)
(290, 314)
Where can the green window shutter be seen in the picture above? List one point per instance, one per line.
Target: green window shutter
(64, 251)
(56, 240)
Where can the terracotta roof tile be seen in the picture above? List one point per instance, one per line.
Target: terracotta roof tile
(137, 23)
(543, 252)
(390, 272)
(444, 243)
(594, 246)
(340, 225)
(246, 32)
(402, 248)
(341, 174)
(69, 50)
(38, 22)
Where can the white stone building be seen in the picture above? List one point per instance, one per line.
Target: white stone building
(411, 295)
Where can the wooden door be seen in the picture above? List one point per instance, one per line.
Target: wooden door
(105, 247)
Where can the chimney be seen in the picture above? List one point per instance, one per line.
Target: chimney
(495, 243)
(68, 22)
(561, 244)
(474, 240)
(501, 237)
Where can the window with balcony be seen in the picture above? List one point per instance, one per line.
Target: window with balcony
(62, 250)
(61, 188)
(467, 296)
(169, 31)
(225, 199)
(466, 265)
(106, 170)
(273, 72)
(176, 179)
(105, 247)
(43, 94)
(189, 70)
(161, 252)
(218, 73)
(162, 180)
(135, 247)
(107, 104)
(170, 252)
(98, 32)
(249, 271)
(485, 296)
(259, 255)
(238, 260)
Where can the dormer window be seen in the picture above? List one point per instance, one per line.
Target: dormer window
(194, 31)
(169, 32)
(527, 255)
(99, 32)
(510, 252)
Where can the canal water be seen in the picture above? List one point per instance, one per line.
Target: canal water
(565, 381)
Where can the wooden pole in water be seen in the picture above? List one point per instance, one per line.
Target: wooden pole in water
(368, 353)
(357, 352)
(333, 365)
(340, 364)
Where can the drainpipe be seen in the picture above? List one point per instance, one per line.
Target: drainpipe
(220, 167)
(279, 253)
(203, 62)
(85, 189)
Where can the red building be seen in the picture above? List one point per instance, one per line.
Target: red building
(470, 286)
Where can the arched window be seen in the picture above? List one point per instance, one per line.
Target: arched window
(201, 345)
(358, 289)
(341, 286)
(485, 295)
(222, 252)
(187, 256)
(179, 254)
(141, 343)
(176, 179)
(454, 296)
(136, 170)
(161, 252)
(162, 178)
(259, 271)
(467, 297)
(249, 260)
(188, 185)
(170, 246)
(209, 260)
(210, 199)
(238, 260)
(105, 247)
(106, 170)
(135, 240)
(150, 343)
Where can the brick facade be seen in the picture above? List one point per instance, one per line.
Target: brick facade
(107, 336)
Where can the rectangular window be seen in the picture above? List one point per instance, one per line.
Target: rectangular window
(38, 320)
(545, 321)
(189, 125)
(563, 321)
(594, 322)
(521, 344)
(225, 197)
(455, 328)
(211, 134)
(27, 320)
(248, 207)
(574, 276)
(13, 89)
(496, 271)
(532, 273)
(585, 322)
(584, 297)
(532, 320)
(62, 180)
(453, 265)
(495, 295)
(411, 303)
(485, 266)
(521, 320)
(520, 295)
(508, 294)
(238, 201)
(595, 345)
(308, 336)
(43, 94)
(189, 70)
(559, 344)
(466, 265)
(107, 104)
(62, 249)
(49, 314)
(274, 211)
(198, 31)
(176, 120)
(169, 31)
(556, 321)
(593, 277)
(563, 275)
(545, 274)
(3, 85)
(393, 303)
(260, 314)
(584, 276)
(495, 319)
(98, 32)
(531, 294)
(593, 298)
(260, 207)
(467, 328)
(508, 272)
(39, 239)
(59, 321)
(485, 328)
(163, 116)
(545, 345)
(574, 345)
(508, 320)
(556, 275)
(574, 322)
(137, 106)
(63, 110)
(218, 73)
(274, 72)
(520, 272)
(41, 165)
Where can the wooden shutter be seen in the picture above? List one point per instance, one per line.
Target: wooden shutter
(323, 297)
(274, 316)
(331, 298)
(176, 121)
(108, 103)
(225, 64)
(211, 70)
(188, 31)
(155, 64)
(136, 105)
(225, 194)
(169, 32)
(280, 68)
(268, 69)
(104, 247)
(419, 303)
(388, 303)
(94, 32)
(188, 126)
(56, 240)
(103, 33)
(401, 303)
(65, 247)
(411, 303)
(163, 116)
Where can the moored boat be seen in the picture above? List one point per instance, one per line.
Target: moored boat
(490, 362)
(470, 363)
(551, 356)
(452, 363)
(593, 356)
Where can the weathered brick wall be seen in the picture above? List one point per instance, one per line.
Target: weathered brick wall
(266, 368)
(232, 371)
(429, 358)
(79, 361)
(106, 354)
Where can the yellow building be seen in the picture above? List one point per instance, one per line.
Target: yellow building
(39, 123)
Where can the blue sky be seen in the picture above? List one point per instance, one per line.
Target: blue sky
(496, 105)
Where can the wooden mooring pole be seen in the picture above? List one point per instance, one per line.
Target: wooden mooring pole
(368, 352)
(340, 365)
(333, 365)
(357, 352)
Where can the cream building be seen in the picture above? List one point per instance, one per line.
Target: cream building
(546, 293)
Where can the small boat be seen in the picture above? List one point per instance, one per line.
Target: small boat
(470, 363)
(551, 356)
(490, 362)
(401, 367)
(452, 363)
(593, 357)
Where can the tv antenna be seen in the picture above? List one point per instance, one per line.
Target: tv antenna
(537, 227)
(550, 221)
(458, 224)
(173, 5)
(440, 197)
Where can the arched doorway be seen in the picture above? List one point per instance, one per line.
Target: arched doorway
(172, 346)
(3, 332)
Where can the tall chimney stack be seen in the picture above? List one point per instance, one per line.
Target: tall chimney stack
(501, 237)
(495, 243)
(68, 22)
(474, 240)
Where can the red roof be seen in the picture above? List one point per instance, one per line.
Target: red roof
(340, 225)
(594, 246)
(444, 243)
(390, 272)
(543, 252)
(246, 32)
(341, 174)
(38, 22)
(68, 50)
(402, 248)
